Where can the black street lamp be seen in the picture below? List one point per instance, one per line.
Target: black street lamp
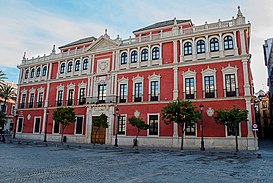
(116, 139)
(202, 129)
(15, 124)
(46, 126)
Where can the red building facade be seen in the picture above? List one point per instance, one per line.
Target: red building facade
(207, 64)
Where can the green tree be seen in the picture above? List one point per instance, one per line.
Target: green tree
(139, 124)
(100, 122)
(180, 112)
(7, 92)
(3, 119)
(232, 119)
(64, 116)
(2, 76)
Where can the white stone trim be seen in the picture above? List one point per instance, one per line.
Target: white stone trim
(148, 122)
(189, 74)
(126, 121)
(209, 72)
(138, 79)
(53, 125)
(18, 125)
(230, 70)
(151, 78)
(34, 124)
(239, 132)
(75, 126)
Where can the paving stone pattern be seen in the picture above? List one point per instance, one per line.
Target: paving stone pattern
(40, 163)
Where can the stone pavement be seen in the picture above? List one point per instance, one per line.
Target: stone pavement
(37, 162)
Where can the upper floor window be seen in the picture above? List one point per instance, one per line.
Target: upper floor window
(138, 92)
(155, 53)
(23, 101)
(124, 58)
(230, 85)
(144, 55)
(154, 91)
(187, 48)
(44, 70)
(59, 98)
(77, 65)
(40, 99)
(70, 97)
(214, 44)
(201, 46)
(102, 93)
(82, 96)
(85, 64)
(189, 88)
(31, 100)
(134, 56)
(38, 72)
(122, 93)
(209, 87)
(26, 74)
(264, 104)
(62, 68)
(228, 43)
(32, 73)
(69, 67)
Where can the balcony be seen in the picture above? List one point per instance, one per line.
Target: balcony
(22, 105)
(102, 100)
(30, 105)
(153, 97)
(69, 102)
(82, 101)
(59, 102)
(209, 94)
(137, 98)
(190, 95)
(231, 93)
(39, 104)
(122, 99)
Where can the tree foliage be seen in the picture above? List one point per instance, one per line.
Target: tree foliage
(139, 124)
(2, 76)
(3, 118)
(100, 122)
(7, 92)
(231, 118)
(180, 112)
(64, 116)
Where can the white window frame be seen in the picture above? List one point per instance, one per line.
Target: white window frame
(223, 41)
(71, 86)
(54, 126)
(75, 127)
(123, 80)
(125, 124)
(59, 88)
(140, 52)
(192, 47)
(203, 39)
(148, 122)
(230, 70)
(34, 125)
(18, 125)
(151, 78)
(81, 86)
(185, 75)
(195, 130)
(151, 51)
(138, 79)
(219, 42)
(209, 72)
(239, 132)
(31, 91)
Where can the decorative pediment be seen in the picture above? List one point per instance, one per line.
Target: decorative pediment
(229, 69)
(189, 73)
(208, 72)
(154, 77)
(82, 85)
(41, 90)
(103, 66)
(138, 79)
(103, 43)
(32, 90)
(60, 87)
(123, 80)
(71, 86)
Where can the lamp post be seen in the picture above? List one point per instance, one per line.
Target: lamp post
(15, 124)
(116, 139)
(46, 126)
(202, 129)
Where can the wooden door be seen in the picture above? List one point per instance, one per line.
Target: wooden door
(100, 138)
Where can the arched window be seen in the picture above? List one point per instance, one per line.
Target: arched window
(44, 70)
(77, 65)
(214, 44)
(200, 46)
(38, 72)
(144, 55)
(32, 73)
(69, 66)
(155, 53)
(228, 43)
(123, 58)
(134, 56)
(85, 64)
(187, 48)
(26, 74)
(62, 68)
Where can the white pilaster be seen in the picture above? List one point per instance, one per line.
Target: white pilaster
(194, 56)
(92, 62)
(207, 47)
(221, 45)
(246, 78)
(113, 60)
(160, 54)
(175, 84)
(235, 43)
(175, 51)
(149, 55)
(138, 56)
(181, 51)
(243, 44)
(249, 117)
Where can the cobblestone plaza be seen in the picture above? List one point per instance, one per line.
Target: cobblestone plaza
(39, 163)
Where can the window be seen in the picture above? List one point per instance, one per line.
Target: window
(264, 104)
(69, 67)
(155, 53)
(31, 100)
(3, 107)
(23, 101)
(32, 73)
(189, 88)
(77, 65)
(122, 93)
(62, 68)
(60, 98)
(154, 91)
(44, 70)
(209, 87)
(144, 55)
(40, 99)
(36, 128)
(153, 122)
(230, 85)
(231, 131)
(228, 43)
(85, 64)
(134, 56)
(20, 125)
(138, 92)
(82, 96)
(200, 46)
(26, 74)
(187, 48)
(38, 73)
(102, 93)
(214, 44)
(79, 125)
(124, 58)
(56, 127)
(121, 124)
(190, 129)
(70, 97)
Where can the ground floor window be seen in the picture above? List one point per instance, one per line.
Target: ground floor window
(231, 131)
(190, 129)
(79, 124)
(20, 125)
(153, 122)
(121, 125)
(36, 128)
(56, 127)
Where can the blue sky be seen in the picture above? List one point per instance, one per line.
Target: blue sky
(35, 25)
